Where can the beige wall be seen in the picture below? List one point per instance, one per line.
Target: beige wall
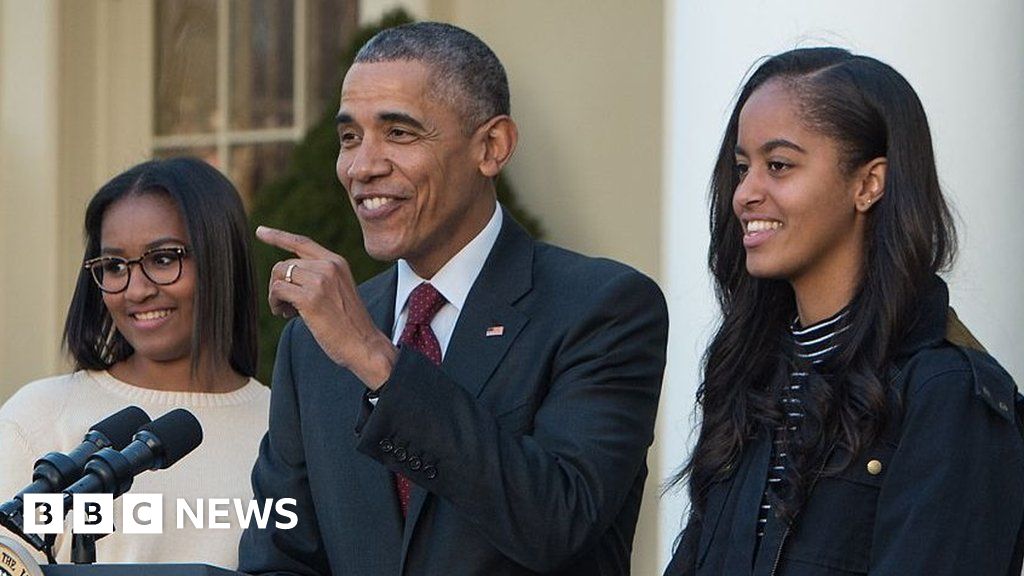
(29, 187)
(3, 202)
(589, 111)
(105, 109)
(370, 11)
(75, 103)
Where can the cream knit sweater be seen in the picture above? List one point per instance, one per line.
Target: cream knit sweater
(55, 413)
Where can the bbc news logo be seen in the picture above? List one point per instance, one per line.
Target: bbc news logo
(144, 513)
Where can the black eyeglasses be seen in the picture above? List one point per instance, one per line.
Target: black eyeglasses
(161, 265)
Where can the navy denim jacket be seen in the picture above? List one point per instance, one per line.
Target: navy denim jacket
(941, 492)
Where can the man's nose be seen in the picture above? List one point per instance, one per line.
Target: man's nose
(368, 160)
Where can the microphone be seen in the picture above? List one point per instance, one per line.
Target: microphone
(156, 446)
(55, 471)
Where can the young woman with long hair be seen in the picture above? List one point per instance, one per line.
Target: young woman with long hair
(163, 317)
(850, 424)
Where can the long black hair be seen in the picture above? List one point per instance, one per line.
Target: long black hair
(224, 322)
(870, 111)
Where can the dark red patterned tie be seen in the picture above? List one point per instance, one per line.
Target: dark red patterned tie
(424, 302)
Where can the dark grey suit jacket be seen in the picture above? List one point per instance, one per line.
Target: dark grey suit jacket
(526, 450)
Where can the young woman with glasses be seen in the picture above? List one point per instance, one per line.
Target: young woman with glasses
(850, 424)
(163, 317)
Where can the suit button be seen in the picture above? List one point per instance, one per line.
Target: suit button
(429, 471)
(401, 454)
(874, 467)
(415, 463)
(386, 445)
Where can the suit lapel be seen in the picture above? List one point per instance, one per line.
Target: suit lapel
(488, 323)
(472, 355)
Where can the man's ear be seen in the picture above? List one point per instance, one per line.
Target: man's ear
(498, 137)
(871, 184)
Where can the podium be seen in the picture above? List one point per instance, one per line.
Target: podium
(135, 570)
(15, 560)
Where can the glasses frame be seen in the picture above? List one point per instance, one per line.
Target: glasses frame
(91, 264)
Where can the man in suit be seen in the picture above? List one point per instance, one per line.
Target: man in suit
(483, 407)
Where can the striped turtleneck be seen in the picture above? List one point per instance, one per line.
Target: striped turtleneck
(813, 346)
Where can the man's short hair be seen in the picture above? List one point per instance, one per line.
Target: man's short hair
(465, 72)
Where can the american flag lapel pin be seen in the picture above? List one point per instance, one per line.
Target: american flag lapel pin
(494, 331)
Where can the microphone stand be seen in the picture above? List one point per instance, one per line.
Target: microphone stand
(50, 542)
(83, 548)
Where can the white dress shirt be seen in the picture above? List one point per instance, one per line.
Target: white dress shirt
(453, 281)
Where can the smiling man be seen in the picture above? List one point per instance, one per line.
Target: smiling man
(483, 407)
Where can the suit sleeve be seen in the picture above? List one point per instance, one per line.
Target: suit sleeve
(280, 472)
(544, 497)
(953, 500)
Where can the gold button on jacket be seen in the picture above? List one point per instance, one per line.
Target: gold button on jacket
(874, 467)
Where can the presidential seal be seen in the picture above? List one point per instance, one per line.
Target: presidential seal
(15, 560)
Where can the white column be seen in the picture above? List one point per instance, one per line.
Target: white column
(967, 64)
(29, 315)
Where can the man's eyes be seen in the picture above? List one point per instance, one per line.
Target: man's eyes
(399, 134)
(349, 137)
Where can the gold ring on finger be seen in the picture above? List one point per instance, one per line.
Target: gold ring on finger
(288, 273)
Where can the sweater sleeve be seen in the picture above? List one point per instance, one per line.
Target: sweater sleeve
(18, 457)
(16, 469)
